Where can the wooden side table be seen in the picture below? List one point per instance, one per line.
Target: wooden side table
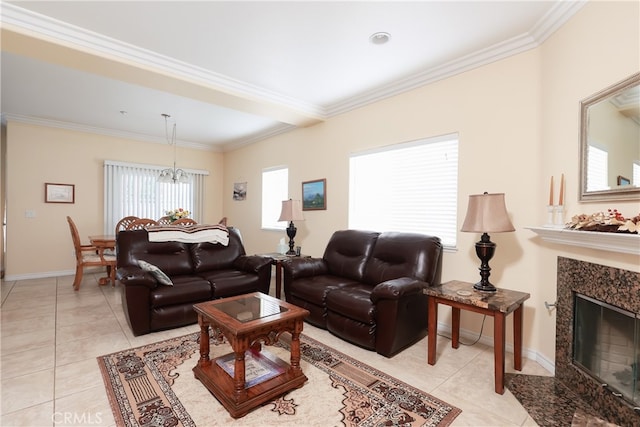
(461, 296)
(276, 260)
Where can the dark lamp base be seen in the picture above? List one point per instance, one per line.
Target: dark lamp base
(484, 287)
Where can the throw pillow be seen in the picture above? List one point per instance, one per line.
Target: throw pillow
(157, 273)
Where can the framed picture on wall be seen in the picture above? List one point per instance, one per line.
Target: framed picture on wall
(314, 195)
(239, 191)
(623, 181)
(59, 193)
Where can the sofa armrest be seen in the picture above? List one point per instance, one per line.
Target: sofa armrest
(295, 268)
(251, 263)
(397, 288)
(401, 314)
(132, 276)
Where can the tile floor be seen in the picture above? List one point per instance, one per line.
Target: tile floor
(51, 336)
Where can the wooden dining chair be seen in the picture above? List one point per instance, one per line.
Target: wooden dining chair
(124, 222)
(89, 256)
(141, 224)
(184, 221)
(165, 220)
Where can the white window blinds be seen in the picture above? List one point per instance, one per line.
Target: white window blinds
(410, 187)
(598, 169)
(132, 189)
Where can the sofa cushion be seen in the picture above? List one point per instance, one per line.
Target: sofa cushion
(403, 255)
(229, 282)
(348, 251)
(185, 289)
(212, 256)
(315, 288)
(173, 258)
(353, 302)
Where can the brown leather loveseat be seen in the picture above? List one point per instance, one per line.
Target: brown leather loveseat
(367, 288)
(199, 272)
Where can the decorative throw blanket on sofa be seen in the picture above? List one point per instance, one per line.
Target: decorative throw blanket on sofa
(198, 233)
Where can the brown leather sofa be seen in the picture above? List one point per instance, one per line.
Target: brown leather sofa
(367, 288)
(199, 272)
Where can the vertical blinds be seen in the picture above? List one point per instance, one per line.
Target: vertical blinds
(132, 189)
(410, 187)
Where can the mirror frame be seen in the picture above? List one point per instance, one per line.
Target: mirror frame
(632, 193)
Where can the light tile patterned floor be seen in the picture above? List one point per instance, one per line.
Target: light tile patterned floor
(51, 336)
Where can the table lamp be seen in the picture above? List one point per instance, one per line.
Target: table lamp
(291, 211)
(486, 213)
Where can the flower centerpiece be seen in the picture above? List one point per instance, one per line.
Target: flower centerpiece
(177, 214)
(612, 221)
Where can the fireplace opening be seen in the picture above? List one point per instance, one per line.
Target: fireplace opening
(606, 345)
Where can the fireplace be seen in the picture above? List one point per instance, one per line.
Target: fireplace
(605, 346)
(600, 361)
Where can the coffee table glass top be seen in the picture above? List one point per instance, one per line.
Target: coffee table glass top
(250, 308)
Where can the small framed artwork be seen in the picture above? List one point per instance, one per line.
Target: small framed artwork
(59, 193)
(314, 195)
(623, 181)
(239, 191)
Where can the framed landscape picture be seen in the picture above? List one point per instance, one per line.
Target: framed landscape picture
(314, 195)
(59, 193)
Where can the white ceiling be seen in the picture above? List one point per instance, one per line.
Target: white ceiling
(234, 72)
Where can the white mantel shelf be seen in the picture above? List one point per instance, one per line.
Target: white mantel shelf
(614, 242)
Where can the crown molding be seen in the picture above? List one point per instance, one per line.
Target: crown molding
(543, 29)
(39, 121)
(41, 26)
(269, 133)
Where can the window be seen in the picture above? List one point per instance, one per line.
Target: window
(275, 189)
(410, 187)
(598, 169)
(132, 189)
(636, 173)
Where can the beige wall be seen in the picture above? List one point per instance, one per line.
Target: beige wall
(598, 47)
(517, 121)
(36, 154)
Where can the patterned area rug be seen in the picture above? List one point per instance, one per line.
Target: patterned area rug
(153, 385)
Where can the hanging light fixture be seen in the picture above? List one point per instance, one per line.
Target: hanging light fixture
(172, 175)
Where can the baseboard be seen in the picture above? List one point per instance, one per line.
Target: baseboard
(41, 275)
(471, 336)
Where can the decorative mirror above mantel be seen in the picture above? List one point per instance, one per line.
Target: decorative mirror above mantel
(610, 143)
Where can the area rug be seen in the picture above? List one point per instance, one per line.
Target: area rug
(153, 385)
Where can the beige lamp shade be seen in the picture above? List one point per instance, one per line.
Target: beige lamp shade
(487, 213)
(291, 211)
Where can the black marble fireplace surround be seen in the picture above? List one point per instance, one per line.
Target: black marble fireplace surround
(613, 286)
(572, 397)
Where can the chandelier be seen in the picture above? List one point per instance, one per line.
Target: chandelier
(172, 175)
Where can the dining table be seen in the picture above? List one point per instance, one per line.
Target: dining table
(103, 243)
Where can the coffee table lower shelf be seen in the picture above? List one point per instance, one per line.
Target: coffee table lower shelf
(239, 404)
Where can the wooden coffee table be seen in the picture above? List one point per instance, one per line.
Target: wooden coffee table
(250, 376)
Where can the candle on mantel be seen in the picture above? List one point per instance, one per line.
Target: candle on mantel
(551, 192)
(561, 201)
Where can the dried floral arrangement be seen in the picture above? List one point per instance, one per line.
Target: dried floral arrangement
(612, 221)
